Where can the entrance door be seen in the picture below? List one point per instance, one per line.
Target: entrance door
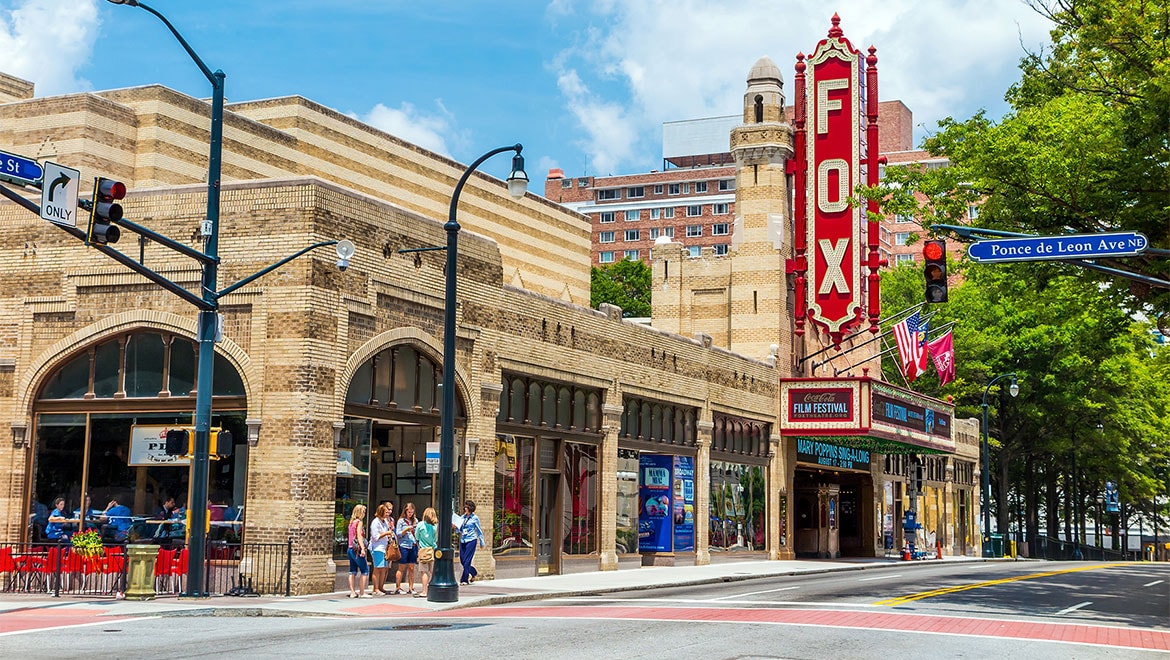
(547, 522)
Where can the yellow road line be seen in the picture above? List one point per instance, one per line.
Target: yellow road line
(964, 587)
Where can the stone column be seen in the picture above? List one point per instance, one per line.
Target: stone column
(779, 486)
(704, 430)
(479, 470)
(607, 466)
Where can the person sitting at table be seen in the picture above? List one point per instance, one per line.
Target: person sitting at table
(120, 517)
(58, 528)
(167, 510)
(91, 515)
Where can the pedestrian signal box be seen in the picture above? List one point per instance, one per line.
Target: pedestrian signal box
(181, 442)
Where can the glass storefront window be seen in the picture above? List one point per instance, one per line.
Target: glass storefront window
(353, 478)
(627, 501)
(737, 507)
(512, 516)
(580, 500)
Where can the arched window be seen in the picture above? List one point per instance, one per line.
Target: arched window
(759, 109)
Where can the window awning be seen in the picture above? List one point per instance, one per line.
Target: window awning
(863, 413)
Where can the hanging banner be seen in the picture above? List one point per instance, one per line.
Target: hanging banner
(684, 504)
(654, 523)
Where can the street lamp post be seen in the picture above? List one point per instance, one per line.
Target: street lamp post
(200, 461)
(985, 473)
(443, 587)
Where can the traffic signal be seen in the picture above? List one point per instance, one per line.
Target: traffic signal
(106, 211)
(179, 442)
(935, 254)
(221, 443)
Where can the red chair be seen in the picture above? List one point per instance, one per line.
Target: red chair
(8, 571)
(43, 569)
(113, 567)
(179, 570)
(163, 564)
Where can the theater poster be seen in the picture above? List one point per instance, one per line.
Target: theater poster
(654, 522)
(684, 504)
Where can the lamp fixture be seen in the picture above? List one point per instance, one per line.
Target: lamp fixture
(337, 427)
(518, 179)
(472, 448)
(1014, 388)
(19, 437)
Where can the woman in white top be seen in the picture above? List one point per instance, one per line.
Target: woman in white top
(380, 529)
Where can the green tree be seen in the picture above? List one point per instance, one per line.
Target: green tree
(625, 283)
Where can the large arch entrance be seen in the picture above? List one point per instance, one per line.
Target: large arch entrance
(99, 420)
(392, 410)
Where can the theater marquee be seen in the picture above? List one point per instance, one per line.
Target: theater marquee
(862, 413)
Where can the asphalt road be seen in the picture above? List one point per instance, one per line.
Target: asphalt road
(999, 610)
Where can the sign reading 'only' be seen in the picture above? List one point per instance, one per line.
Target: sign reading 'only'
(1077, 246)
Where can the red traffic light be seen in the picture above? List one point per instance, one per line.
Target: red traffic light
(111, 189)
(934, 250)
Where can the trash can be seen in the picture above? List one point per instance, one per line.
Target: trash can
(140, 558)
(993, 545)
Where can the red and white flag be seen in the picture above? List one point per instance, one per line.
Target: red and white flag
(911, 347)
(942, 352)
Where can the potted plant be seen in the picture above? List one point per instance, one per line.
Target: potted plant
(87, 544)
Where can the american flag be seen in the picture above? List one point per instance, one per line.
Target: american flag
(910, 336)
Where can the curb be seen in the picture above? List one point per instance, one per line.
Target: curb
(506, 599)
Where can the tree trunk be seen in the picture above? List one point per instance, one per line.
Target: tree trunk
(1003, 506)
(1051, 503)
(1031, 506)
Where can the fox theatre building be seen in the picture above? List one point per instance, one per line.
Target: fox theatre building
(853, 446)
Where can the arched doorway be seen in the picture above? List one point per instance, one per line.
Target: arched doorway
(392, 410)
(99, 420)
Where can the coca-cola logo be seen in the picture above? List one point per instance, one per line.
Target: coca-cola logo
(815, 397)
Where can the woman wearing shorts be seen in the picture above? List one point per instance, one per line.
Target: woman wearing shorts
(357, 552)
(408, 546)
(380, 531)
(428, 541)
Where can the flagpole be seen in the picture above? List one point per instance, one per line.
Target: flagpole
(946, 327)
(817, 365)
(847, 337)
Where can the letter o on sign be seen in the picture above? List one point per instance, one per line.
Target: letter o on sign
(842, 169)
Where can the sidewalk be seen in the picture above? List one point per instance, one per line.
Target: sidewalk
(488, 592)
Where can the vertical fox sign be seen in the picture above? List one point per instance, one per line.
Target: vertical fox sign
(836, 145)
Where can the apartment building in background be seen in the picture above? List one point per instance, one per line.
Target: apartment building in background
(691, 199)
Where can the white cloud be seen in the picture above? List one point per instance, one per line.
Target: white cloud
(406, 122)
(47, 41)
(648, 61)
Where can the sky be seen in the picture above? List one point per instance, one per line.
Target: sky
(584, 85)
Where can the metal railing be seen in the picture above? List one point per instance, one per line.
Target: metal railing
(56, 569)
(231, 569)
(1061, 550)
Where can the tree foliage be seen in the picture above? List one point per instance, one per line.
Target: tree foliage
(624, 283)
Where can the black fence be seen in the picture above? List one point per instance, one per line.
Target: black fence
(1060, 550)
(230, 569)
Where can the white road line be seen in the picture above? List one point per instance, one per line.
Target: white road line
(108, 622)
(880, 577)
(1074, 607)
(1150, 584)
(754, 593)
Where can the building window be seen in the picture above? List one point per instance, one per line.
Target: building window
(720, 209)
(721, 249)
(607, 216)
(726, 184)
(661, 231)
(972, 212)
(694, 231)
(513, 495)
(633, 235)
(658, 189)
(905, 258)
(668, 212)
(694, 210)
(605, 237)
(632, 215)
(672, 189)
(694, 251)
(566, 183)
(605, 257)
(700, 186)
(903, 218)
(634, 192)
(611, 193)
(719, 229)
(901, 237)
(654, 213)
(631, 255)
(686, 188)
(885, 236)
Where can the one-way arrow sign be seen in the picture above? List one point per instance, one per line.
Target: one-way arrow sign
(1073, 246)
(59, 194)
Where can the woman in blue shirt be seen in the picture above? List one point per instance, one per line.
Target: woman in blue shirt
(57, 529)
(469, 533)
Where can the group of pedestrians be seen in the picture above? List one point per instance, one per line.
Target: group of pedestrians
(408, 542)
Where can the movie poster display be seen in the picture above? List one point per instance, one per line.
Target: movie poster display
(684, 504)
(654, 521)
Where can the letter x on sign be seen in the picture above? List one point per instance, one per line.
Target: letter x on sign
(834, 276)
